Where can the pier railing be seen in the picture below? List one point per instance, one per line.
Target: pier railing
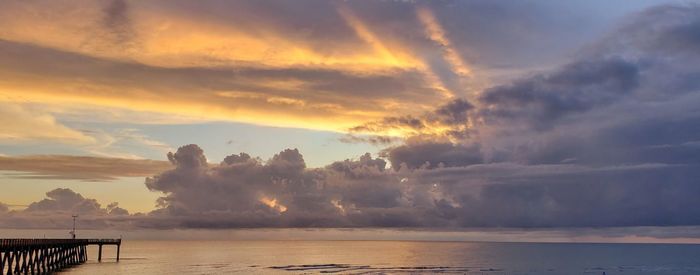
(40, 256)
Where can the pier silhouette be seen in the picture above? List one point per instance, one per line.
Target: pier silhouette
(41, 256)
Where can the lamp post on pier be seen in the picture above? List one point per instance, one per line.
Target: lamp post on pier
(72, 233)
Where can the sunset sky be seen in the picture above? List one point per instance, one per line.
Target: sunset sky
(227, 114)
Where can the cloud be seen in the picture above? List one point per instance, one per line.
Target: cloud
(326, 65)
(577, 87)
(256, 94)
(279, 75)
(450, 119)
(244, 192)
(189, 157)
(551, 196)
(56, 209)
(79, 167)
(614, 104)
(455, 111)
(62, 199)
(600, 141)
(436, 33)
(117, 20)
(21, 126)
(605, 140)
(371, 139)
(416, 154)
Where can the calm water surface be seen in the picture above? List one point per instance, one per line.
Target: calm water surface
(391, 257)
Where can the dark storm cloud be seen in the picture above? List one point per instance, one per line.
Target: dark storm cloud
(577, 87)
(622, 98)
(508, 195)
(607, 109)
(433, 154)
(631, 196)
(454, 112)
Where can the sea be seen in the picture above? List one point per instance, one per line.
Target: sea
(392, 257)
(281, 252)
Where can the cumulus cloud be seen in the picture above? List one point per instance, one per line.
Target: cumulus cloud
(62, 199)
(56, 209)
(244, 192)
(282, 192)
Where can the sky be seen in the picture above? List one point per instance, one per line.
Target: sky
(361, 114)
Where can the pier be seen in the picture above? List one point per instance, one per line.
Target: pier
(41, 256)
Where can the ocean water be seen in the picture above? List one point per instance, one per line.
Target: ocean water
(390, 257)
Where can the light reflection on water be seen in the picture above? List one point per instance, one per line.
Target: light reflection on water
(392, 257)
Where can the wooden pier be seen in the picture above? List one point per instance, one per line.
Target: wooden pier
(42, 256)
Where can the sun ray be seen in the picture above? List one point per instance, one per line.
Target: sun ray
(436, 33)
(394, 54)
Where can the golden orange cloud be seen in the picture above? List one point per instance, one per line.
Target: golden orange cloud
(80, 167)
(154, 60)
(19, 125)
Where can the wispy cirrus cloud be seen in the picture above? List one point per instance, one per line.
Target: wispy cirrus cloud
(23, 126)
